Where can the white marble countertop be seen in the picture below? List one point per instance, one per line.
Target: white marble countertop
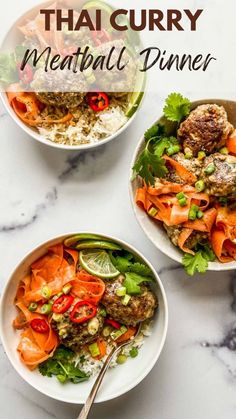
(46, 192)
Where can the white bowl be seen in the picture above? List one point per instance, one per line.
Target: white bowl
(13, 38)
(118, 380)
(154, 230)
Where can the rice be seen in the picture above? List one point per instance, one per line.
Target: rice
(86, 126)
(91, 366)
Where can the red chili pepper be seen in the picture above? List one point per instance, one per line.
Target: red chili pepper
(113, 323)
(98, 101)
(26, 75)
(100, 37)
(62, 304)
(82, 312)
(39, 325)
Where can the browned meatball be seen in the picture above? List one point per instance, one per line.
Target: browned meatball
(222, 182)
(139, 308)
(206, 129)
(73, 335)
(47, 88)
(195, 238)
(193, 165)
(61, 99)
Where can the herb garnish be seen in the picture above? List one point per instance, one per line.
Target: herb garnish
(177, 107)
(199, 261)
(62, 366)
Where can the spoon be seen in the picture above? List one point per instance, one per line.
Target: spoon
(88, 404)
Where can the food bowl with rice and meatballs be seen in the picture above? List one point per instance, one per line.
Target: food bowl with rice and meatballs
(183, 183)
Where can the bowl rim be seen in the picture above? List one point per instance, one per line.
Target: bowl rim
(33, 134)
(213, 266)
(158, 281)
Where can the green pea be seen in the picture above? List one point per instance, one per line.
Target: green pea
(210, 169)
(121, 359)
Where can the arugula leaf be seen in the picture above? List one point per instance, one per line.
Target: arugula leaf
(132, 281)
(163, 144)
(176, 107)
(149, 166)
(62, 367)
(156, 130)
(199, 261)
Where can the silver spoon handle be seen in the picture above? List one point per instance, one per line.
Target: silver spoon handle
(87, 406)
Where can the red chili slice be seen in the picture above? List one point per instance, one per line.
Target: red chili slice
(113, 323)
(62, 304)
(82, 312)
(39, 325)
(100, 37)
(26, 75)
(98, 101)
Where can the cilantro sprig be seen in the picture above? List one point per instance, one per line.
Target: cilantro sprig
(62, 366)
(198, 263)
(176, 107)
(135, 271)
(150, 165)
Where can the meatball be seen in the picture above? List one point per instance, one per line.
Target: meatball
(74, 335)
(117, 81)
(48, 91)
(222, 182)
(193, 165)
(61, 99)
(139, 308)
(206, 129)
(196, 237)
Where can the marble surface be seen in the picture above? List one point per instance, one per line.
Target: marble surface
(46, 192)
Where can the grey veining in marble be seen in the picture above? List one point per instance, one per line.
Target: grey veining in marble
(46, 192)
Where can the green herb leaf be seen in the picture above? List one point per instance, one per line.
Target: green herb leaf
(127, 263)
(62, 367)
(199, 261)
(177, 107)
(156, 130)
(132, 281)
(163, 144)
(149, 166)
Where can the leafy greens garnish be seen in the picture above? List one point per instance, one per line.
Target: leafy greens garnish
(199, 261)
(176, 107)
(164, 144)
(132, 281)
(157, 130)
(149, 165)
(135, 272)
(62, 366)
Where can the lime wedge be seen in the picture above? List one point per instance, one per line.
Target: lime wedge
(70, 241)
(98, 263)
(135, 97)
(97, 244)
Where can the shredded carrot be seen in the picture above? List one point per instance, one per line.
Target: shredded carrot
(183, 237)
(27, 108)
(102, 348)
(231, 143)
(187, 176)
(205, 224)
(127, 335)
(218, 240)
(88, 287)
